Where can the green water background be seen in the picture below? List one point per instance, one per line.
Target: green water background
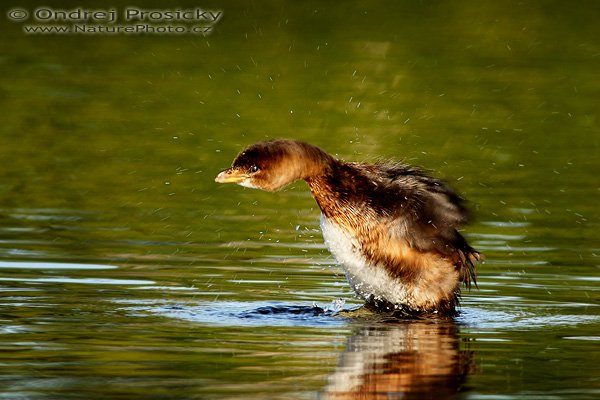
(110, 144)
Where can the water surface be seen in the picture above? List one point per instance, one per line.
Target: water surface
(126, 272)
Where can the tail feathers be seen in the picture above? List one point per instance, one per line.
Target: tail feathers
(466, 266)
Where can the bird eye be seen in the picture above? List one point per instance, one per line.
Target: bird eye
(253, 169)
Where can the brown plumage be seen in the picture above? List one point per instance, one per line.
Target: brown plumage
(392, 227)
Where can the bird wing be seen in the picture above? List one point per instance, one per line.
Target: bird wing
(426, 213)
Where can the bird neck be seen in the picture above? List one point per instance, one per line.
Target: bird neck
(290, 161)
(301, 161)
(335, 191)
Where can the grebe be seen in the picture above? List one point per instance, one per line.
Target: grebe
(391, 227)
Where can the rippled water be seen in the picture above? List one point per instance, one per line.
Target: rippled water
(125, 272)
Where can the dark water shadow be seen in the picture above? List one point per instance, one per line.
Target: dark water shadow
(258, 314)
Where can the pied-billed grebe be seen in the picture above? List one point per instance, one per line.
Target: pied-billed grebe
(392, 227)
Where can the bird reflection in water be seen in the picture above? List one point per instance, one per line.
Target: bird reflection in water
(416, 359)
